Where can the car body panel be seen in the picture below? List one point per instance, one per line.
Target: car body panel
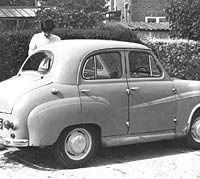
(153, 106)
(68, 65)
(100, 102)
(153, 103)
(16, 88)
(188, 97)
(101, 106)
(47, 121)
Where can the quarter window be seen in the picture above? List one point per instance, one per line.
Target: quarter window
(143, 65)
(103, 66)
(89, 69)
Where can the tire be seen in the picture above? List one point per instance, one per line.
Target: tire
(28, 148)
(76, 146)
(193, 138)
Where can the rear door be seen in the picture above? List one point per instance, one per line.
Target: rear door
(103, 94)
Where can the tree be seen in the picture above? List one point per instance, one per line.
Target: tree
(75, 13)
(184, 18)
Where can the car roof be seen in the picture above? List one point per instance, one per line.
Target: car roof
(69, 53)
(94, 44)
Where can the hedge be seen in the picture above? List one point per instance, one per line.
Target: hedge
(180, 58)
(14, 45)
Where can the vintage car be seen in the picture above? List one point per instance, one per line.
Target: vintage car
(78, 95)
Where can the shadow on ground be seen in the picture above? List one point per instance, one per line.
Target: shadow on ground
(43, 159)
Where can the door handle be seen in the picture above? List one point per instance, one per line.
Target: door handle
(134, 88)
(128, 90)
(85, 91)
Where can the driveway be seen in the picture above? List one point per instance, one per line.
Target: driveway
(161, 160)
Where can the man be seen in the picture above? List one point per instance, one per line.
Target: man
(44, 37)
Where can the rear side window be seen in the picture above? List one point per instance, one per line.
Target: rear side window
(103, 66)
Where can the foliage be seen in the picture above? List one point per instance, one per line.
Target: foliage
(16, 2)
(14, 45)
(90, 5)
(48, 13)
(184, 17)
(180, 58)
(74, 14)
(107, 33)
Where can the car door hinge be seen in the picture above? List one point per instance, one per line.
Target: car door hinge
(174, 90)
(127, 124)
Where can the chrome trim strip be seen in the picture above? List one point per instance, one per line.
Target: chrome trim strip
(171, 98)
(133, 139)
(189, 94)
(156, 102)
(14, 142)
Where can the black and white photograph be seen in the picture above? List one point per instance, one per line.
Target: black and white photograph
(99, 89)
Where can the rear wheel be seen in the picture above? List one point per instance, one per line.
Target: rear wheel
(194, 134)
(76, 146)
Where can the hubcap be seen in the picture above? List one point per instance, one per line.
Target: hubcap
(196, 131)
(78, 144)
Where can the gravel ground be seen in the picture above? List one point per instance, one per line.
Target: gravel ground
(159, 160)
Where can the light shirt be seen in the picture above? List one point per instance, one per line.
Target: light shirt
(39, 40)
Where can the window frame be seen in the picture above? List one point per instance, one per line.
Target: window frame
(151, 77)
(117, 51)
(157, 19)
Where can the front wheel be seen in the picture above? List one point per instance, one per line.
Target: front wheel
(76, 146)
(193, 138)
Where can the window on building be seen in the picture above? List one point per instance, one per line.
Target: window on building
(155, 19)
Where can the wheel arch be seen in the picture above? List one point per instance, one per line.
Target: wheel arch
(85, 125)
(194, 113)
(77, 145)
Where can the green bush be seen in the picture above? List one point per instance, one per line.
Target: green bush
(180, 58)
(104, 32)
(14, 45)
(13, 51)
(184, 16)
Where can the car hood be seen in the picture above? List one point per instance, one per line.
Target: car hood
(17, 86)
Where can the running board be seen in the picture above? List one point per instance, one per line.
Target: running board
(133, 139)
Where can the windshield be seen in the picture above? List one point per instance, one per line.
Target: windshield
(40, 62)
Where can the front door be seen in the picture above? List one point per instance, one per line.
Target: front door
(103, 94)
(152, 94)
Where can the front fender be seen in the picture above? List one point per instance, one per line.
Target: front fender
(46, 121)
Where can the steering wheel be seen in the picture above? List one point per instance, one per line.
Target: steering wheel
(141, 70)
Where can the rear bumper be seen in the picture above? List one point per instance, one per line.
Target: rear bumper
(14, 142)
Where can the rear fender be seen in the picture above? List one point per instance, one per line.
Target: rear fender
(48, 120)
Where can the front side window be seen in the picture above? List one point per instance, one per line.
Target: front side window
(40, 62)
(103, 66)
(143, 65)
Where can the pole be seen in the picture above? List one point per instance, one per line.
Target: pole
(36, 3)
